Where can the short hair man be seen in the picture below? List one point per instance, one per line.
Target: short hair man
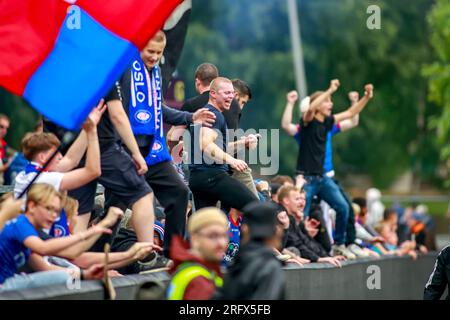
(196, 272)
(209, 179)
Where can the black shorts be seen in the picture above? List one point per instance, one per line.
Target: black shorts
(119, 176)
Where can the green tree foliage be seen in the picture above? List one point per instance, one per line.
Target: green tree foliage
(250, 40)
(438, 73)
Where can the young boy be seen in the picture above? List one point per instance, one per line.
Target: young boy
(315, 124)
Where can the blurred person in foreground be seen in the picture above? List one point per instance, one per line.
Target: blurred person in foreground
(256, 273)
(196, 271)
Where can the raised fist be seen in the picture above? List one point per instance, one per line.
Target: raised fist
(369, 90)
(334, 85)
(292, 96)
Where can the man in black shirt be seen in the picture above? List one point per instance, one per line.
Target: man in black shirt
(315, 124)
(204, 75)
(209, 179)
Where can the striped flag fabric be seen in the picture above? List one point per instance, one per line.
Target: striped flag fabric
(64, 56)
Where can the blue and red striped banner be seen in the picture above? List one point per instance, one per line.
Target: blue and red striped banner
(63, 72)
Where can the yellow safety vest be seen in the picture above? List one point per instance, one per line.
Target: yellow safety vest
(186, 272)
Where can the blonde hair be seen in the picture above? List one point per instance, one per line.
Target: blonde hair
(284, 192)
(70, 207)
(216, 83)
(36, 142)
(159, 36)
(41, 193)
(314, 96)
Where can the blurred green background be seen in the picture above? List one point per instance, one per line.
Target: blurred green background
(404, 130)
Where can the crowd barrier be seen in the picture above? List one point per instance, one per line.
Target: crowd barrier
(384, 278)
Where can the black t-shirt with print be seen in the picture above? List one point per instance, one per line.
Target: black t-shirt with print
(313, 139)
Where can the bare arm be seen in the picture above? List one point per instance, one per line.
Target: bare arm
(286, 121)
(77, 249)
(208, 136)
(122, 124)
(9, 209)
(37, 263)
(55, 245)
(79, 177)
(138, 251)
(357, 107)
(74, 154)
(308, 116)
(78, 148)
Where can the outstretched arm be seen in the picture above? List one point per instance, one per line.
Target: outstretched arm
(55, 245)
(357, 107)
(348, 124)
(286, 121)
(308, 116)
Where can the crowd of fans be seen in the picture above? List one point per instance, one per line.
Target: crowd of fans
(193, 219)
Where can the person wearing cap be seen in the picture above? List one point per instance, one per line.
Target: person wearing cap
(196, 271)
(256, 272)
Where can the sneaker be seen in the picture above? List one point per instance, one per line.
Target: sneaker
(357, 251)
(154, 263)
(341, 250)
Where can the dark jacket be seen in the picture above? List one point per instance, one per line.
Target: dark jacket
(200, 288)
(256, 274)
(299, 238)
(439, 278)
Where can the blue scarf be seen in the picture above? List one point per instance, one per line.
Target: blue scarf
(142, 106)
(145, 108)
(60, 227)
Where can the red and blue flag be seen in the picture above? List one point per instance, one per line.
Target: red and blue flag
(62, 70)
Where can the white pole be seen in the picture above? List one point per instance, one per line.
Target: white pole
(297, 51)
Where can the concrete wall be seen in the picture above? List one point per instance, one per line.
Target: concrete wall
(400, 278)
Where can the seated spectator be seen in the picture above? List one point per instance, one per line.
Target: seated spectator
(366, 236)
(290, 254)
(283, 180)
(301, 232)
(274, 187)
(390, 217)
(20, 238)
(363, 238)
(196, 271)
(391, 242)
(256, 273)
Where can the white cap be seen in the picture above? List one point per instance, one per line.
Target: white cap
(304, 104)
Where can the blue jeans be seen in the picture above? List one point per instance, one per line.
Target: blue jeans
(328, 191)
(35, 280)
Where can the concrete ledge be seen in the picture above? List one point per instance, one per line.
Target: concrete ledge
(400, 278)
